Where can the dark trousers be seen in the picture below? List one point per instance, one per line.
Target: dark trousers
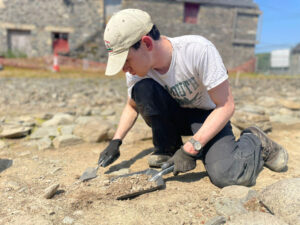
(228, 162)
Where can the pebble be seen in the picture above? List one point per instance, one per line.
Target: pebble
(50, 191)
(68, 220)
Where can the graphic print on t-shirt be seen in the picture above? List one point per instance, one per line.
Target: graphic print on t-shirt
(180, 90)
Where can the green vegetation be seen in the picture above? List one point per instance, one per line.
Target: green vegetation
(263, 62)
(14, 54)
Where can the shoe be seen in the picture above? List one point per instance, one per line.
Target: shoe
(157, 158)
(274, 155)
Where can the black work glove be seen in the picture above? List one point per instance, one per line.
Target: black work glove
(182, 162)
(110, 153)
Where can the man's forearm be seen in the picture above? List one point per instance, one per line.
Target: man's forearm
(213, 124)
(127, 120)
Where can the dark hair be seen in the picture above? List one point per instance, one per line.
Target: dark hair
(154, 34)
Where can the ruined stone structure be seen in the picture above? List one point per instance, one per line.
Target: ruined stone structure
(38, 27)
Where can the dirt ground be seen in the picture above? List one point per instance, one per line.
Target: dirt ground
(187, 198)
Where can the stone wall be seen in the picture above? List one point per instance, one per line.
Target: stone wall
(80, 19)
(231, 29)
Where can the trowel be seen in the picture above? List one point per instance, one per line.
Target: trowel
(91, 172)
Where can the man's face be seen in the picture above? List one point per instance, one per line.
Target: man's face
(138, 61)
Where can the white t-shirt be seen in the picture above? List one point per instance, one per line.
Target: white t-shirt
(196, 67)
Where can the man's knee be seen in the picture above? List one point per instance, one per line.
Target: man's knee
(222, 177)
(144, 89)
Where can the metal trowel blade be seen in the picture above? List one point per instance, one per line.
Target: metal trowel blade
(89, 173)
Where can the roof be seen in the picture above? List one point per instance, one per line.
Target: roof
(237, 3)
(296, 49)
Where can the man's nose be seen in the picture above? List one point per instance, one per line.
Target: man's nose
(125, 68)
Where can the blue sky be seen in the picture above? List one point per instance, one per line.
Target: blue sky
(279, 25)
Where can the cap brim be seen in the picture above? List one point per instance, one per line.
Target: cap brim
(115, 63)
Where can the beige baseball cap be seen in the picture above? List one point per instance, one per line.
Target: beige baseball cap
(124, 29)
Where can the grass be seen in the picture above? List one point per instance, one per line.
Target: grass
(64, 73)
(67, 72)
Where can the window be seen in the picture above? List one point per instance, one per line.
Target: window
(191, 11)
(19, 41)
(60, 42)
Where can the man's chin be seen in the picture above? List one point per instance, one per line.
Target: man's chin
(140, 75)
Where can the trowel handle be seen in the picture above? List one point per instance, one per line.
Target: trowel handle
(162, 172)
(166, 171)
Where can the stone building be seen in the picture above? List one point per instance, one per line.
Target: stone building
(39, 27)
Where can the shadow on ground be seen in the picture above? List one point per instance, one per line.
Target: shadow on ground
(128, 163)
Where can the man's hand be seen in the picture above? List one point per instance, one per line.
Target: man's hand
(111, 153)
(182, 162)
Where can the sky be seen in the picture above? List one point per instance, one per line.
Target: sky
(279, 25)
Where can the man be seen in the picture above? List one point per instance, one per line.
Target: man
(180, 87)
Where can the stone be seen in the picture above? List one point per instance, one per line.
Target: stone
(44, 143)
(93, 131)
(42, 132)
(283, 199)
(50, 191)
(267, 101)
(243, 119)
(290, 104)
(285, 111)
(3, 144)
(14, 131)
(227, 206)
(239, 192)
(140, 131)
(67, 129)
(108, 112)
(218, 220)
(59, 119)
(68, 220)
(66, 140)
(255, 218)
(253, 109)
(284, 119)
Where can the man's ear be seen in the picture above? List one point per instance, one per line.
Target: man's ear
(148, 42)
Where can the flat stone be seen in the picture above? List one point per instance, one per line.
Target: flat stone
(14, 131)
(67, 140)
(50, 191)
(3, 144)
(255, 218)
(283, 199)
(284, 119)
(227, 206)
(218, 220)
(66, 129)
(59, 119)
(93, 131)
(290, 104)
(44, 143)
(243, 120)
(42, 132)
(267, 101)
(253, 109)
(239, 192)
